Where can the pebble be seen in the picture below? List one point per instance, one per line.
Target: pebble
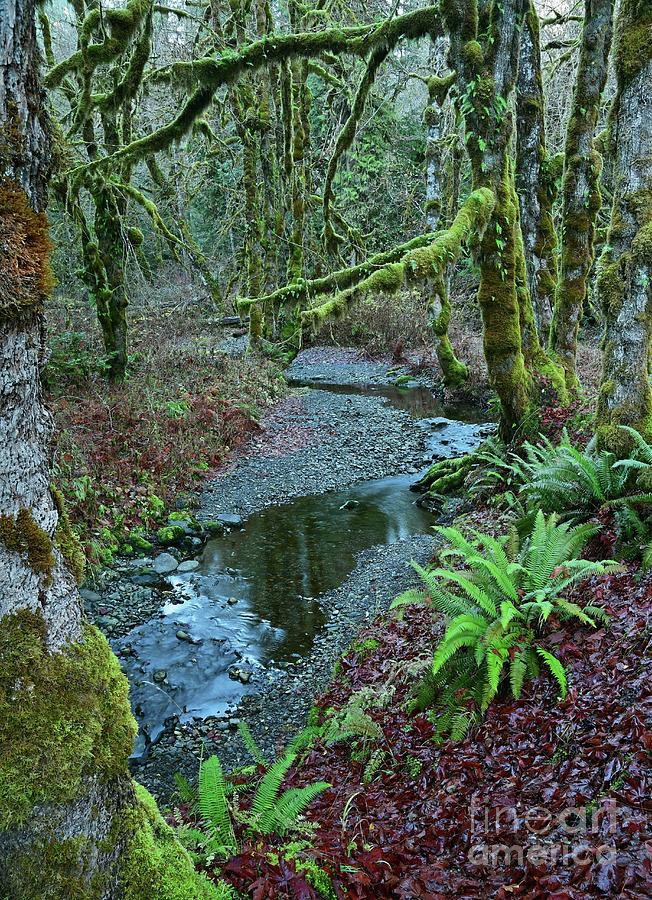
(189, 565)
(165, 563)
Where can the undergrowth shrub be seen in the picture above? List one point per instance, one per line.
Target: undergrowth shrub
(498, 606)
(125, 452)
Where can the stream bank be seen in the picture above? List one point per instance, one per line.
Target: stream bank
(320, 529)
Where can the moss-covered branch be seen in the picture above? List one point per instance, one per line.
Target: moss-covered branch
(301, 292)
(121, 24)
(211, 72)
(427, 263)
(345, 140)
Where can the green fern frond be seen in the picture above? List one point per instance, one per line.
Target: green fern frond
(266, 795)
(248, 740)
(557, 669)
(187, 793)
(517, 672)
(410, 597)
(293, 802)
(213, 804)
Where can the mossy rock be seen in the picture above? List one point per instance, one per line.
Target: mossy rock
(139, 543)
(170, 534)
(402, 380)
(215, 529)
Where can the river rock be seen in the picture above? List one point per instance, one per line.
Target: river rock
(165, 563)
(189, 565)
(229, 519)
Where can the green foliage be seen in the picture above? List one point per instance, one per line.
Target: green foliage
(214, 807)
(497, 606)
(71, 360)
(271, 811)
(571, 482)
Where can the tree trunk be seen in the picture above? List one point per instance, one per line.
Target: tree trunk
(625, 269)
(72, 824)
(112, 302)
(534, 183)
(581, 185)
(454, 372)
(488, 71)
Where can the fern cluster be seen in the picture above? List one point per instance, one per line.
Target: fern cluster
(497, 606)
(271, 811)
(576, 484)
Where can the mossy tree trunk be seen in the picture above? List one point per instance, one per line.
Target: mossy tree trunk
(454, 372)
(625, 268)
(488, 71)
(581, 185)
(534, 179)
(72, 824)
(112, 300)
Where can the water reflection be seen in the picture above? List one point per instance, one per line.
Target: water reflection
(420, 402)
(252, 601)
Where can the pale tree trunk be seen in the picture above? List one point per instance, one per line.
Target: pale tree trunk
(454, 372)
(625, 270)
(72, 824)
(534, 180)
(581, 185)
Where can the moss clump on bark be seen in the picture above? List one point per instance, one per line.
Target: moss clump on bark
(154, 866)
(23, 535)
(67, 540)
(633, 39)
(63, 716)
(52, 870)
(25, 274)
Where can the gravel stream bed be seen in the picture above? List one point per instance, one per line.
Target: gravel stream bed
(279, 708)
(312, 442)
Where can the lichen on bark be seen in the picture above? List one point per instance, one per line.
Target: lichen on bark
(625, 267)
(581, 199)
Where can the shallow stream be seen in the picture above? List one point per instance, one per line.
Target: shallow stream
(252, 603)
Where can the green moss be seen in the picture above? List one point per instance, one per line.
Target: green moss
(63, 715)
(419, 263)
(135, 236)
(633, 39)
(23, 535)
(50, 871)
(154, 866)
(365, 648)
(438, 87)
(473, 54)
(170, 534)
(67, 539)
(25, 273)
(138, 542)
(445, 476)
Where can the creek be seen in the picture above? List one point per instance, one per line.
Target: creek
(253, 602)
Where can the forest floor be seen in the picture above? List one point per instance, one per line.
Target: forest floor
(543, 800)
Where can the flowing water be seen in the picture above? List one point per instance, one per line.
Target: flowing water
(252, 602)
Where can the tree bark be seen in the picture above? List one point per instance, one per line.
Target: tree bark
(534, 181)
(625, 269)
(581, 185)
(454, 372)
(72, 823)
